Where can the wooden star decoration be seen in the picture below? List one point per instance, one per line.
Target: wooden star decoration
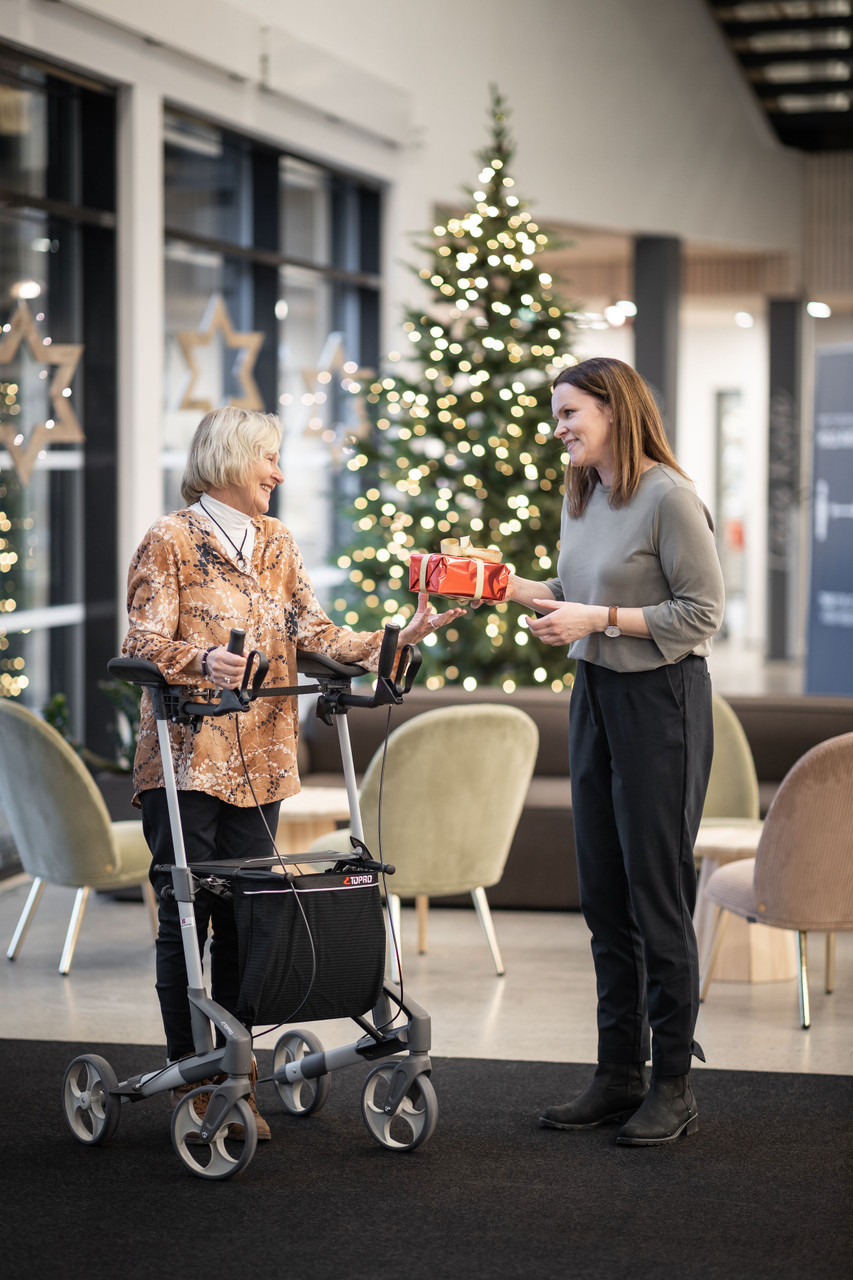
(216, 320)
(65, 428)
(333, 360)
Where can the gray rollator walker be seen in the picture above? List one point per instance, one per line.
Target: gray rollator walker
(311, 941)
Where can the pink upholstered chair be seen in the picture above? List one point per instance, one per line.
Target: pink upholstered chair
(801, 877)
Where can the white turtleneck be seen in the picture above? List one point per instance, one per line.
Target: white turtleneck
(227, 523)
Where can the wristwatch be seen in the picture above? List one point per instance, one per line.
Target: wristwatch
(611, 629)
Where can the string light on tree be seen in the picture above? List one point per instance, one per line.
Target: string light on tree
(462, 440)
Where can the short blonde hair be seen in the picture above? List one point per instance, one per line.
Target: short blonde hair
(225, 446)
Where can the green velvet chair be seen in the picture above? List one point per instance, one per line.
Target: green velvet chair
(60, 824)
(454, 784)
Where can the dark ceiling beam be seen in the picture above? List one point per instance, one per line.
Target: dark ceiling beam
(774, 26)
(814, 132)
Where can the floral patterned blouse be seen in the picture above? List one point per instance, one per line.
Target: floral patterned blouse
(184, 596)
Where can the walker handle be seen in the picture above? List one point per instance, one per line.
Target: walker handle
(388, 651)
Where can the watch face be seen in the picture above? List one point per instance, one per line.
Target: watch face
(613, 631)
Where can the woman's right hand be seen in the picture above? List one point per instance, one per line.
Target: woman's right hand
(524, 591)
(224, 669)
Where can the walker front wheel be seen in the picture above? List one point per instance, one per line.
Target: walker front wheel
(225, 1155)
(300, 1097)
(415, 1118)
(91, 1108)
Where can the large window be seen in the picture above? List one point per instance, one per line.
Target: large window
(57, 391)
(272, 298)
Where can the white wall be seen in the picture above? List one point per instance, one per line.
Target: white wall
(628, 115)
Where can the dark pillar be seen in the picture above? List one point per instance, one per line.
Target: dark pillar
(657, 289)
(783, 473)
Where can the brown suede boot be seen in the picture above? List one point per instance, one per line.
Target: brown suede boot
(237, 1131)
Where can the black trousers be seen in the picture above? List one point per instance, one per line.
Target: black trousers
(640, 750)
(212, 829)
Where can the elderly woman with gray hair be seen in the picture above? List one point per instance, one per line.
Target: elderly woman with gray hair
(219, 563)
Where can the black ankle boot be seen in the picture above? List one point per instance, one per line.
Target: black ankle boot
(668, 1111)
(617, 1089)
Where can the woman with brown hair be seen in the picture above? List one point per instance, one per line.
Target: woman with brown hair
(638, 596)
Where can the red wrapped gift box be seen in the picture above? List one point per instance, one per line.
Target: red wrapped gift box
(459, 577)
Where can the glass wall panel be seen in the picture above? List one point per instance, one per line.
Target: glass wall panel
(208, 177)
(58, 607)
(23, 139)
(306, 278)
(41, 492)
(305, 212)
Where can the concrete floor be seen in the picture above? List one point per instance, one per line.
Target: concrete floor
(543, 1009)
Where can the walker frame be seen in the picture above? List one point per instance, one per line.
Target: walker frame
(398, 1104)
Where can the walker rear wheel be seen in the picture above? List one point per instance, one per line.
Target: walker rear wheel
(302, 1097)
(224, 1156)
(91, 1109)
(414, 1120)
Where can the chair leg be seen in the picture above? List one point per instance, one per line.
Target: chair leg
(395, 939)
(36, 890)
(803, 981)
(829, 985)
(150, 899)
(721, 919)
(73, 929)
(481, 904)
(422, 909)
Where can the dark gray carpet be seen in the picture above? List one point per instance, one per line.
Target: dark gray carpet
(765, 1189)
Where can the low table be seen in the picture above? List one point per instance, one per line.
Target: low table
(311, 813)
(749, 952)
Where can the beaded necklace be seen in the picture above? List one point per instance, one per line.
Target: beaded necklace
(239, 549)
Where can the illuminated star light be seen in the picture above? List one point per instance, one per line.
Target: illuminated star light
(66, 428)
(217, 320)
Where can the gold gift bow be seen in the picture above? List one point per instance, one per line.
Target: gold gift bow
(462, 547)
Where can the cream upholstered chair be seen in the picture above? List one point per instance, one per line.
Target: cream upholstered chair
(733, 785)
(60, 824)
(731, 808)
(454, 784)
(801, 877)
(730, 830)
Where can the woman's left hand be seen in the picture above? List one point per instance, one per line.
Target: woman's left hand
(425, 620)
(563, 621)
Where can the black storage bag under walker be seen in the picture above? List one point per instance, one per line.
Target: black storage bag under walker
(344, 914)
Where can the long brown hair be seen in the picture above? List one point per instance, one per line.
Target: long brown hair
(636, 430)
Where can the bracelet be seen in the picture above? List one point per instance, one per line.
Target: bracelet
(204, 667)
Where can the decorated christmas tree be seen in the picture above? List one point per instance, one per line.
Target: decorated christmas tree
(462, 442)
